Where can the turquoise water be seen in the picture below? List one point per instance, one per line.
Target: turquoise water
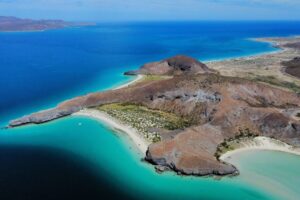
(55, 65)
(275, 172)
(113, 154)
(264, 175)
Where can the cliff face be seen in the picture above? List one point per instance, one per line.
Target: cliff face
(176, 65)
(217, 106)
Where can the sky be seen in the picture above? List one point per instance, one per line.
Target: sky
(152, 10)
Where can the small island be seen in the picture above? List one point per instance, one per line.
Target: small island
(187, 116)
(14, 24)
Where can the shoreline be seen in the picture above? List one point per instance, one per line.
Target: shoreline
(118, 126)
(276, 50)
(135, 80)
(261, 143)
(268, 64)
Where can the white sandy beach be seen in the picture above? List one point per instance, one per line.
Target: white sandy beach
(140, 142)
(261, 143)
(138, 78)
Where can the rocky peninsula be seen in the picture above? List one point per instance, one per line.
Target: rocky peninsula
(10, 24)
(190, 111)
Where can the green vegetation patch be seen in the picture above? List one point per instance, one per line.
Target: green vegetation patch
(274, 81)
(232, 143)
(145, 120)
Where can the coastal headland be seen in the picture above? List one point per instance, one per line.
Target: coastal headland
(184, 114)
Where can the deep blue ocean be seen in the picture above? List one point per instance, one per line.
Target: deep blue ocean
(41, 69)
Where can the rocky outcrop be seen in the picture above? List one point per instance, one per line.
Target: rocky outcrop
(176, 65)
(191, 153)
(43, 116)
(217, 107)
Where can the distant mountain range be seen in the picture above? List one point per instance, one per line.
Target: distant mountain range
(18, 24)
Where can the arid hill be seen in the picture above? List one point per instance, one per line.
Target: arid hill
(176, 65)
(219, 108)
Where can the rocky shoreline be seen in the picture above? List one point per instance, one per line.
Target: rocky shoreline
(218, 108)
